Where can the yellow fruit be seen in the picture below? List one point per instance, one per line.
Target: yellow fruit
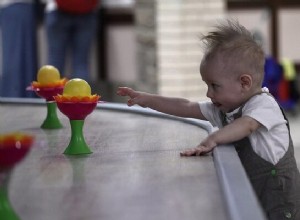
(48, 74)
(77, 87)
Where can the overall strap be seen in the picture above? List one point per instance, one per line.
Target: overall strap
(278, 200)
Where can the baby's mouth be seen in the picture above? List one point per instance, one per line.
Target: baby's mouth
(218, 105)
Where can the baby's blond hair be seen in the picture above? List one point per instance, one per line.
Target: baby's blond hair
(237, 49)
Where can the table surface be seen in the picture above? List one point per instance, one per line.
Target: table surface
(134, 172)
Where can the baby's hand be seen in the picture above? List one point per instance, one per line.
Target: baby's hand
(206, 146)
(125, 91)
(198, 151)
(136, 98)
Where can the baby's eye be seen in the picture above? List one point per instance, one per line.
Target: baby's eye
(214, 86)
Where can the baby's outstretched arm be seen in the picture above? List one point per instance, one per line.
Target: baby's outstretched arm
(169, 105)
(237, 130)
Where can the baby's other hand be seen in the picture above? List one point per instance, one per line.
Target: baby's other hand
(206, 146)
(198, 151)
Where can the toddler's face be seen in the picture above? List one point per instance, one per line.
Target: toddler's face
(223, 87)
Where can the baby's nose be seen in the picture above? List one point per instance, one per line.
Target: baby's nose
(209, 93)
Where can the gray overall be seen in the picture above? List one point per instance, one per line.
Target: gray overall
(277, 186)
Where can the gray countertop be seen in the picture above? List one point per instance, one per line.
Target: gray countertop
(134, 172)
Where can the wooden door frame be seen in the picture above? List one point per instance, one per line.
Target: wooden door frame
(109, 17)
(273, 6)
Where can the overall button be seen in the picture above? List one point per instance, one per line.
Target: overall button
(273, 172)
(288, 215)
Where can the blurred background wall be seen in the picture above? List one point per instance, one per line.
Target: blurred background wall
(153, 45)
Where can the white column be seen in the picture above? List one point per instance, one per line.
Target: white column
(179, 25)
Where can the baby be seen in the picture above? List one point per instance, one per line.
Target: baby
(247, 116)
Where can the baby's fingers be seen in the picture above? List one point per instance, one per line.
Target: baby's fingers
(123, 91)
(131, 102)
(188, 153)
(198, 151)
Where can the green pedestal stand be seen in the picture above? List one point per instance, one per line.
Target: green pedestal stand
(77, 143)
(6, 210)
(51, 121)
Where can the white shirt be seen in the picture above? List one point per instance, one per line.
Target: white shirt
(271, 140)
(50, 5)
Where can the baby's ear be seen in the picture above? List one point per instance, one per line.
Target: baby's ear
(246, 81)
